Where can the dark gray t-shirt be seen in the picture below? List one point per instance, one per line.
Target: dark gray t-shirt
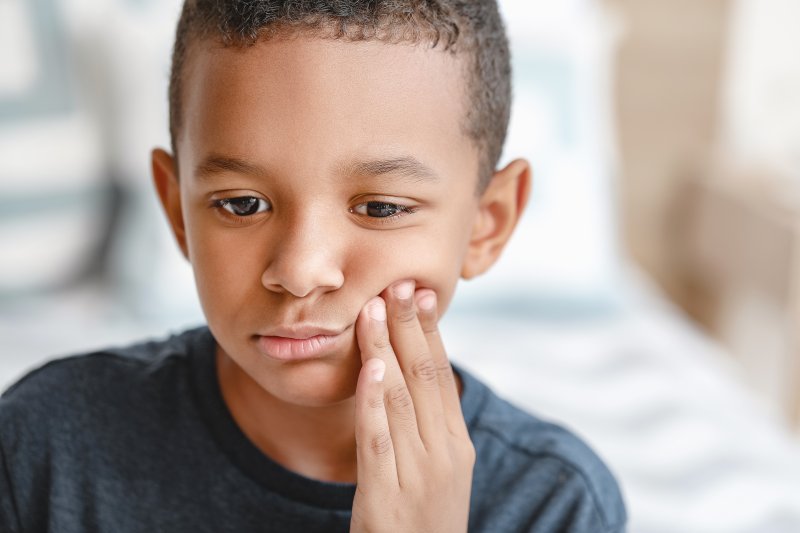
(139, 439)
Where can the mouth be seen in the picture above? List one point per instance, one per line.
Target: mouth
(301, 343)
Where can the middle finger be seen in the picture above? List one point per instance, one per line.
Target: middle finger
(414, 355)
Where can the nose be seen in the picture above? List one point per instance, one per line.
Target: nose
(304, 259)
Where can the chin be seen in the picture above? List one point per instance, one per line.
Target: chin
(314, 384)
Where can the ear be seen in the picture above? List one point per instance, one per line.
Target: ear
(499, 209)
(165, 178)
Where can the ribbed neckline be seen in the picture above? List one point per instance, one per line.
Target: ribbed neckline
(259, 466)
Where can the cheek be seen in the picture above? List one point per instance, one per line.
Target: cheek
(433, 261)
(227, 267)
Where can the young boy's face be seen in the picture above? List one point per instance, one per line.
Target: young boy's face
(313, 175)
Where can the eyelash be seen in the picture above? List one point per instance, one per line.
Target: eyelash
(219, 206)
(402, 210)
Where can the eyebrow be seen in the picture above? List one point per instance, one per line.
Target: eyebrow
(217, 164)
(407, 167)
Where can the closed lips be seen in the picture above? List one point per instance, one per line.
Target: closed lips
(298, 346)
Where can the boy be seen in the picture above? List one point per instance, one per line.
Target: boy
(331, 177)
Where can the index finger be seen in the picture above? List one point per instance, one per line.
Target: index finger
(451, 402)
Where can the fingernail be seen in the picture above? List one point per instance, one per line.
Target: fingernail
(377, 310)
(378, 369)
(403, 290)
(427, 302)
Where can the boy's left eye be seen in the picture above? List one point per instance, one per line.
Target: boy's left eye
(243, 206)
(380, 209)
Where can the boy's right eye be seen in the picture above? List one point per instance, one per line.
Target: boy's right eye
(243, 206)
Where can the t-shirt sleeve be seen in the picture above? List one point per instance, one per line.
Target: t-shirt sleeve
(28, 408)
(535, 476)
(550, 494)
(9, 521)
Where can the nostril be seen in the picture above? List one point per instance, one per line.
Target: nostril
(301, 281)
(303, 259)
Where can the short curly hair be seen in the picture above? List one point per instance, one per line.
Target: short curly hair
(471, 28)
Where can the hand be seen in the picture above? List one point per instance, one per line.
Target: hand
(415, 457)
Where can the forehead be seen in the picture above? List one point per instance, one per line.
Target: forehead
(314, 101)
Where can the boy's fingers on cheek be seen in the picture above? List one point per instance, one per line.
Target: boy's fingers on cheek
(373, 341)
(418, 366)
(373, 337)
(427, 303)
(409, 341)
(400, 302)
(428, 319)
(428, 316)
(408, 338)
(374, 448)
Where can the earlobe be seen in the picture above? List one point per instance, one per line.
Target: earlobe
(499, 210)
(165, 178)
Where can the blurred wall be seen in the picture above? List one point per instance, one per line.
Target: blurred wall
(669, 68)
(707, 106)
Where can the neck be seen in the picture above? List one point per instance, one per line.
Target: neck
(316, 442)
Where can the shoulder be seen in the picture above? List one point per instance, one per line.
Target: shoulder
(80, 386)
(521, 454)
(77, 425)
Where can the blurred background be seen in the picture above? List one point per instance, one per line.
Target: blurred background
(649, 301)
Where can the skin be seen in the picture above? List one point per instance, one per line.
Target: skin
(290, 124)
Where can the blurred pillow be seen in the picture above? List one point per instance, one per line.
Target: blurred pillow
(52, 192)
